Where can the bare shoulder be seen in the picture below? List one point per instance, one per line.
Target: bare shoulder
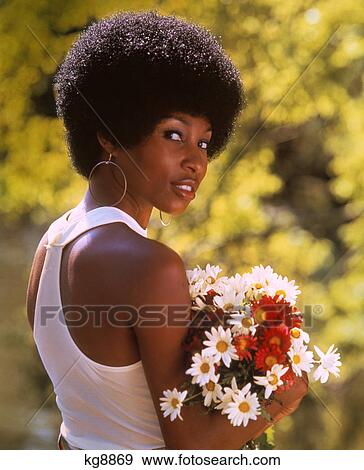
(121, 263)
(161, 274)
(160, 258)
(112, 264)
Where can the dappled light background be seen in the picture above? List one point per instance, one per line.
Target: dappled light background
(288, 190)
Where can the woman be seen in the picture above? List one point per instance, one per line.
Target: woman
(147, 101)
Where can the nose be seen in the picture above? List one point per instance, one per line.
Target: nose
(195, 161)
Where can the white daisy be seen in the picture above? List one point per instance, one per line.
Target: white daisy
(299, 336)
(243, 324)
(229, 299)
(238, 283)
(172, 403)
(301, 359)
(329, 363)
(220, 345)
(202, 369)
(283, 288)
(194, 275)
(202, 280)
(260, 277)
(196, 279)
(243, 407)
(211, 273)
(272, 380)
(228, 393)
(220, 284)
(212, 391)
(196, 288)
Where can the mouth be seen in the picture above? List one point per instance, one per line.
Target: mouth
(184, 190)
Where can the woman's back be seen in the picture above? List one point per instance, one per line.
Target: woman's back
(103, 405)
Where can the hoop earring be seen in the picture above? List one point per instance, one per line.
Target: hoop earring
(163, 223)
(107, 162)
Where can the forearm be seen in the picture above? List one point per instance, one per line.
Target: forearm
(214, 430)
(240, 435)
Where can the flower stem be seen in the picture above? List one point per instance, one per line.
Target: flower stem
(192, 396)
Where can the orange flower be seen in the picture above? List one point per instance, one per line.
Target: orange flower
(277, 336)
(266, 357)
(244, 345)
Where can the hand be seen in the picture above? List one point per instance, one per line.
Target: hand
(284, 404)
(291, 399)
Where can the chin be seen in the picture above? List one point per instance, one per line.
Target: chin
(173, 203)
(175, 209)
(179, 211)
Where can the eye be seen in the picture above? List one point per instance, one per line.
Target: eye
(206, 143)
(171, 132)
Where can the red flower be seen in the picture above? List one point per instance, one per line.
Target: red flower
(212, 293)
(244, 345)
(288, 380)
(266, 357)
(295, 319)
(267, 309)
(279, 336)
(273, 312)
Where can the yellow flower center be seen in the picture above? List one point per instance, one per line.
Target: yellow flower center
(228, 306)
(210, 386)
(221, 346)
(174, 402)
(270, 360)
(275, 340)
(246, 322)
(260, 315)
(242, 343)
(273, 379)
(296, 359)
(295, 332)
(281, 292)
(210, 280)
(244, 407)
(205, 367)
(258, 285)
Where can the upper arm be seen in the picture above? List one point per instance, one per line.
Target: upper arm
(165, 288)
(165, 283)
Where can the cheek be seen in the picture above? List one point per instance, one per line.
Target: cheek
(153, 169)
(158, 160)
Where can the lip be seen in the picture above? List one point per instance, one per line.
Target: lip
(189, 181)
(182, 192)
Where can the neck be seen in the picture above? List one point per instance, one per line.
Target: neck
(127, 204)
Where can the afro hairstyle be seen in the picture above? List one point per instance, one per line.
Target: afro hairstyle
(126, 72)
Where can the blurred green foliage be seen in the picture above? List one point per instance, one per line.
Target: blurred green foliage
(288, 191)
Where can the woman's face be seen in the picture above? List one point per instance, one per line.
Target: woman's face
(175, 151)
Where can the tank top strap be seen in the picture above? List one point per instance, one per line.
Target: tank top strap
(61, 232)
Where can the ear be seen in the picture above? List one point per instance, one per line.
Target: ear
(105, 144)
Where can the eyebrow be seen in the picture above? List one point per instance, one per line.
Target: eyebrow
(184, 121)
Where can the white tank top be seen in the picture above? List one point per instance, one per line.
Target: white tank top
(102, 407)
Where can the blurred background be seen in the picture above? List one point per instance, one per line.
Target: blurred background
(288, 191)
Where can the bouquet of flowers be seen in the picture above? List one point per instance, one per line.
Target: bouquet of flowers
(245, 344)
